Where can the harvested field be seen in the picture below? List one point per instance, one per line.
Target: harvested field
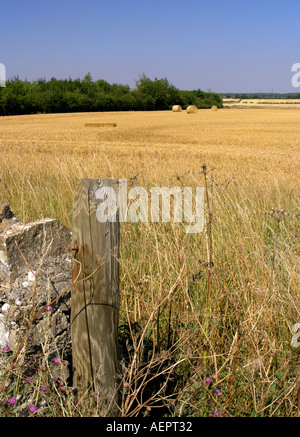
(216, 306)
(262, 103)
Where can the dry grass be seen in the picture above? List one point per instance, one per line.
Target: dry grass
(219, 304)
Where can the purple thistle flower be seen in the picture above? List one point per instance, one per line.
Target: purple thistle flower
(13, 401)
(217, 414)
(208, 380)
(5, 349)
(32, 409)
(56, 360)
(44, 388)
(49, 308)
(218, 391)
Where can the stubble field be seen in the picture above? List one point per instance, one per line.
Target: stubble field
(215, 310)
(262, 103)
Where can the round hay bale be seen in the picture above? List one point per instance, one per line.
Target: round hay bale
(177, 108)
(192, 109)
(214, 108)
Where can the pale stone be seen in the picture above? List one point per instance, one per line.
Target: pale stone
(22, 246)
(34, 258)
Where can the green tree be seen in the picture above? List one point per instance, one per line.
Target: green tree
(68, 95)
(158, 94)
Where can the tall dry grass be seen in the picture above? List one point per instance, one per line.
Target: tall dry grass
(206, 319)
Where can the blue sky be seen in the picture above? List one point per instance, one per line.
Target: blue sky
(222, 45)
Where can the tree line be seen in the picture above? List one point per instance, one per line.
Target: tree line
(86, 95)
(244, 96)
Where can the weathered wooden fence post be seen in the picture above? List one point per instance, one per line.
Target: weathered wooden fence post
(95, 295)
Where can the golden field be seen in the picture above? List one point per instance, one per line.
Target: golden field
(45, 153)
(219, 304)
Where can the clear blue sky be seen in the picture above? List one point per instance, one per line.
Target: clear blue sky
(223, 45)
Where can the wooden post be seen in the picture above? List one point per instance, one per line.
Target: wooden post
(95, 296)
